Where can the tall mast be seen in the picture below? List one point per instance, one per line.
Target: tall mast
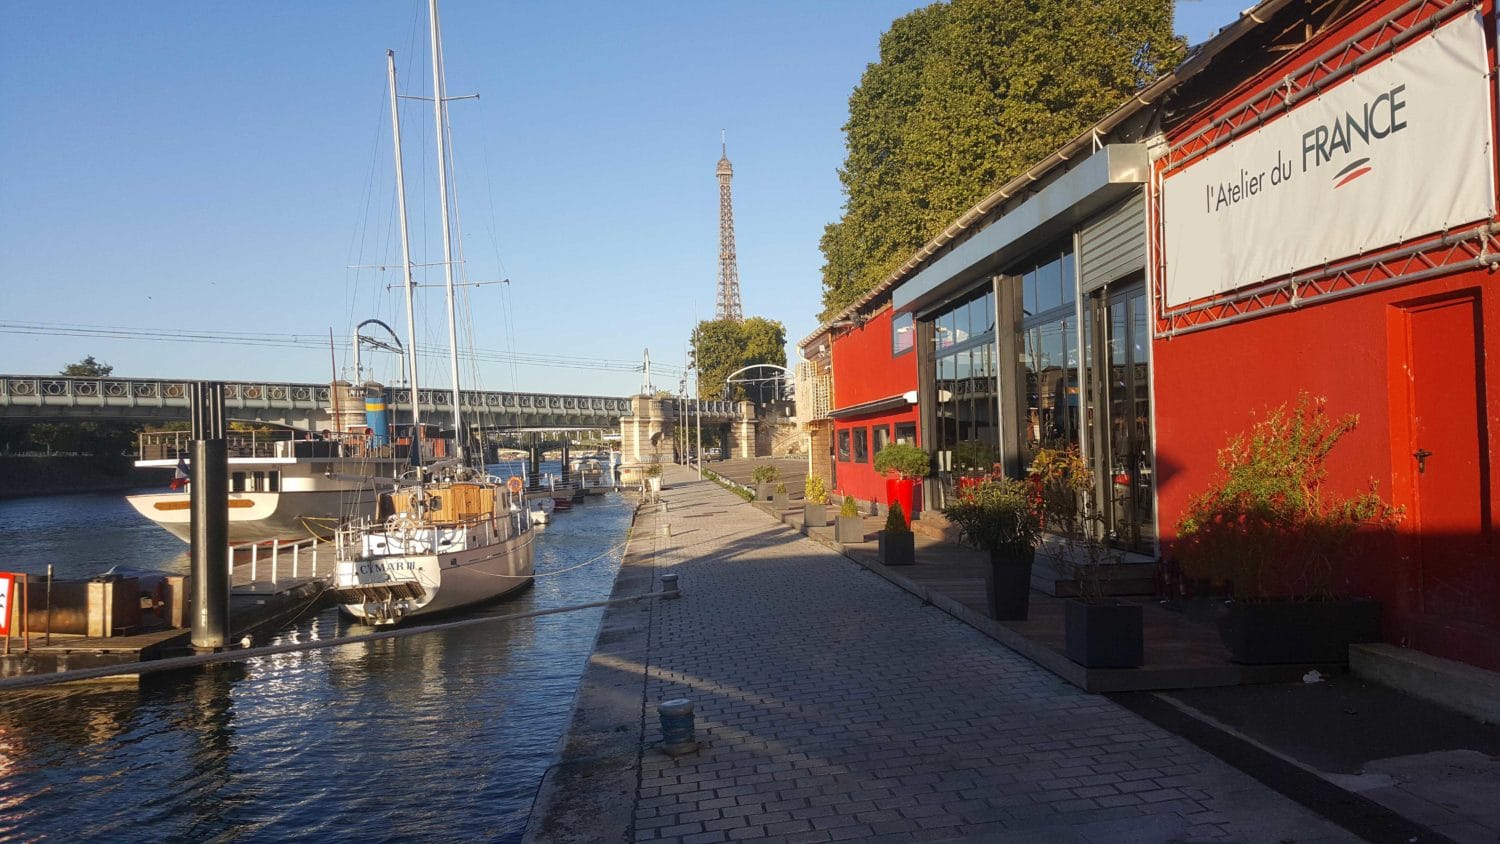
(440, 111)
(411, 320)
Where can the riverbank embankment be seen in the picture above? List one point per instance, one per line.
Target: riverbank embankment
(22, 476)
(832, 705)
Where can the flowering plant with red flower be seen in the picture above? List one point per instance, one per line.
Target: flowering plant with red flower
(1267, 528)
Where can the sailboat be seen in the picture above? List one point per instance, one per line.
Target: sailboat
(449, 535)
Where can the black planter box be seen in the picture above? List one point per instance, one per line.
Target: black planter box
(1009, 585)
(1271, 632)
(1105, 635)
(815, 515)
(898, 549)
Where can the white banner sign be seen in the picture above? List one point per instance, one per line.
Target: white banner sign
(1398, 150)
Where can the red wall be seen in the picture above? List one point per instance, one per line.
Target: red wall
(863, 371)
(1213, 384)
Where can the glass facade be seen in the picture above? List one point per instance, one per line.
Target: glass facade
(1119, 400)
(1075, 385)
(1049, 357)
(966, 436)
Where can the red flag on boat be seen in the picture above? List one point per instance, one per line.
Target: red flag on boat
(180, 478)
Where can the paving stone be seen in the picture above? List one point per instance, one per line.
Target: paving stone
(834, 706)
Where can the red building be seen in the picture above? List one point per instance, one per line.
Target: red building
(874, 382)
(1323, 221)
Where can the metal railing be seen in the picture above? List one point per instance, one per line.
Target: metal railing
(277, 553)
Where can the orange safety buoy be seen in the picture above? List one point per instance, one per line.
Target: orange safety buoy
(514, 485)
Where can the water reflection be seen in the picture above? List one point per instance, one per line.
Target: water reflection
(438, 736)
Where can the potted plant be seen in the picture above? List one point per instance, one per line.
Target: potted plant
(1270, 537)
(814, 502)
(996, 514)
(1100, 631)
(902, 465)
(897, 542)
(763, 476)
(778, 498)
(849, 527)
(651, 478)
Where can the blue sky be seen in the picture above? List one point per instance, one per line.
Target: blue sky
(216, 168)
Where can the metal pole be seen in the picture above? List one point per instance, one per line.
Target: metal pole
(210, 517)
(698, 420)
(440, 117)
(49, 604)
(415, 454)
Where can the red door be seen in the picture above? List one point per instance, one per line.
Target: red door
(1457, 578)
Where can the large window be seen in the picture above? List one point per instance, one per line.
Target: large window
(1049, 357)
(881, 434)
(861, 445)
(844, 446)
(965, 409)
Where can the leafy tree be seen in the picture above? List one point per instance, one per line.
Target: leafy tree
(104, 440)
(965, 96)
(88, 368)
(724, 345)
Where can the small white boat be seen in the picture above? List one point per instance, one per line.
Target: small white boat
(541, 510)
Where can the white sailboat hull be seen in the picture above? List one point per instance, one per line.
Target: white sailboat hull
(400, 577)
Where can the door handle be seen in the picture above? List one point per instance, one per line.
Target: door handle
(1421, 454)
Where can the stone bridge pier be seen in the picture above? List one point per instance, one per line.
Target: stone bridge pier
(649, 434)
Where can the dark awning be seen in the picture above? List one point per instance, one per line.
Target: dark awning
(877, 406)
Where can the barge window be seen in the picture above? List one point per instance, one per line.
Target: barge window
(861, 445)
(844, 446)
(903, 335)
(237, 482)
(906, 433)
(881, 434)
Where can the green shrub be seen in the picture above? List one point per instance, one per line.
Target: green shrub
(902, 460)
(895, 520)
(814, 490)
(1265, 528)
(850, 507)
(781, 489)
(996, 514)
(765, 473)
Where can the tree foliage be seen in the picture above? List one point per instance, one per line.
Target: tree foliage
(88, 368)
(722, 346)
(966, 95)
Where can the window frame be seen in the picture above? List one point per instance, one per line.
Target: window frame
(861, 445)
(843, 445)
(899, 321)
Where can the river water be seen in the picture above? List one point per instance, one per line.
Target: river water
(441, 736)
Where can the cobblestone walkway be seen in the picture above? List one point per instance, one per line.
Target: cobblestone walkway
(833, 706)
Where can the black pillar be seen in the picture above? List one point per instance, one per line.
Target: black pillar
(209, 499)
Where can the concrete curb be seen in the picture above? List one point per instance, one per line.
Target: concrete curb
(589, 795)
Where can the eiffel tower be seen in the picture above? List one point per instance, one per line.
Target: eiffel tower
(729, 270)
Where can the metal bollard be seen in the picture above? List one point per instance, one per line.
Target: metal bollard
(677, 726)
(669, 585)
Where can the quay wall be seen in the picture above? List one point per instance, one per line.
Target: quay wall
(28, 475)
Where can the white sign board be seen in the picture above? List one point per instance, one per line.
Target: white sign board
(1398, 150)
